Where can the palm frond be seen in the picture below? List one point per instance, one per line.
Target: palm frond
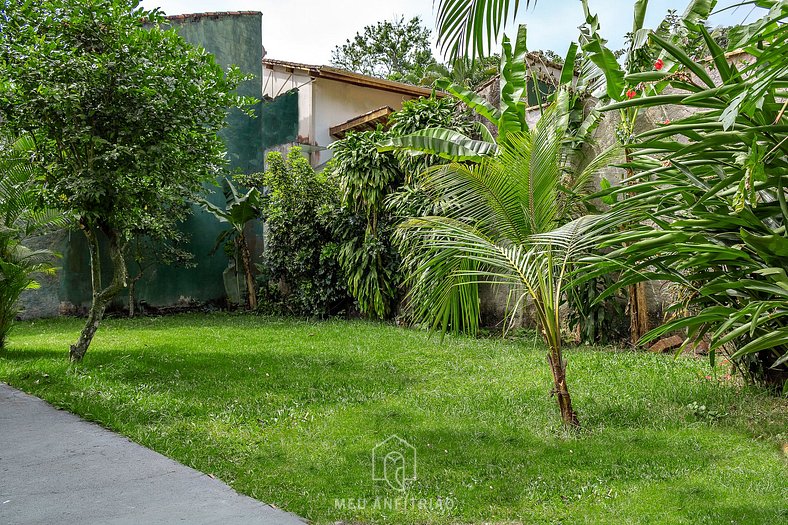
(470, 27)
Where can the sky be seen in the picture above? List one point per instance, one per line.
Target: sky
(308, 30)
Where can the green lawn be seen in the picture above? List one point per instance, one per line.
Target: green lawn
(288, 412)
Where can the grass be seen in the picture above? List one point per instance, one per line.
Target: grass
(288, 412)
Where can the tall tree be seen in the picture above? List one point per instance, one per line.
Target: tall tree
(392, 49)
(124, 114)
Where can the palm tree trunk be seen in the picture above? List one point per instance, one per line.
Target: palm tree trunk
(560, 388)
(101, 296)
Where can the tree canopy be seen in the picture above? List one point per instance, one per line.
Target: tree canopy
(393, 49)
(124, 115)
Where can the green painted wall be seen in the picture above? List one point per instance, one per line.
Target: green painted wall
(544, 90)
(232, 39)
(280, 119)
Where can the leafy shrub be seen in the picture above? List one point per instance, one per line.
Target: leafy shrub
(709, 192)
(20, 216)
(369, 260)
(378, 190)
(595, 321)
(300, 272)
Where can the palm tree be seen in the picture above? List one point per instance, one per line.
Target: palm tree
(20, 216)
(469, 27)
(502, 224)
(18, 264)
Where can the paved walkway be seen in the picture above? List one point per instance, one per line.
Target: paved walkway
(57, 468)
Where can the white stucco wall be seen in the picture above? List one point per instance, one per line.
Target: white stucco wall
(335, 102)
(324, 103)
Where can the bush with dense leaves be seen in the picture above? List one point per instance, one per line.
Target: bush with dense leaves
(300, 272)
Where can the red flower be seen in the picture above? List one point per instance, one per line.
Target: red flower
(659, 64)
(632, 93)
(667, 121)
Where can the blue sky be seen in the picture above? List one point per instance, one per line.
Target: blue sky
(307, 30)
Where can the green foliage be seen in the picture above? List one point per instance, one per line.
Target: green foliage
(464, 71)
(508, 119)
(300, 272)
(366, 177)
(124, 115)
(490, 209)
(504, 222)
(430, 112)
(596, 322)
(121, 136)
(238, 211)
(641, 54)
(395, 50)
(378, 189)
(18, 264)
(20, 216)
(469, 27)
(458, 144)
(712, 186)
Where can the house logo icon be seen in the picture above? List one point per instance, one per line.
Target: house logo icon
(394, 461)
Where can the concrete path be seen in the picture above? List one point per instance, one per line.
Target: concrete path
(57, 468)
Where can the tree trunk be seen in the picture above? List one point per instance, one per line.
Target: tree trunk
(636, 293)
(560, 389)
(246, 259)
(132, 283)
(638, 312)
(101, 296)
(131, 297)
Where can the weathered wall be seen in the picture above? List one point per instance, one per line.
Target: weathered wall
(279, 118)
(232, 39)
(278, 84)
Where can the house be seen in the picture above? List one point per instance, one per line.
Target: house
(313, 106)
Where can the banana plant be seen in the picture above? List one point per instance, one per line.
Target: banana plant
(713, 187)
(508, 118)
(238, 211)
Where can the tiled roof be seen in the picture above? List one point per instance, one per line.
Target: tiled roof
(350, 77)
